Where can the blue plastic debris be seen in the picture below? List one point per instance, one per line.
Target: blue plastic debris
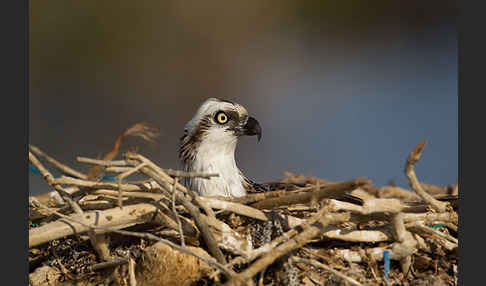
(386, 259)
(35, 170)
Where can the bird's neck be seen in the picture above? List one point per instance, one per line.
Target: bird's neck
(220, 159)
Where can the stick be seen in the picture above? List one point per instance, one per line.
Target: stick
(63, 168)
(120, 166)
(209, 211)
(320, 265)
(47, 176)
(162, 179)
(114, 218)
(113, 263)
(181, 174)
(121, 177)
(296, 242)
(326, 191)
(106, 163)
(98, 242)
(96, 185)
(215, 264)
(131, 272)
(414, 182)
(179, 225)
(370, 206)
(235, 207)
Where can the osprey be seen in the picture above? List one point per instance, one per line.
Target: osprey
(208, 146)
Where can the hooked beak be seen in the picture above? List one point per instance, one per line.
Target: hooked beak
(252, 127)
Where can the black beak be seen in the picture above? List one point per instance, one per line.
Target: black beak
(252, 127)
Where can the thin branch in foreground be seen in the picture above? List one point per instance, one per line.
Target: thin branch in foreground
(163, 179)
(63, 168)
(121, 177)
(47, 175)
(131, 272)
(414, 182)
(174, 210)
(104, 163)
(325, 191)
(327, 268)
(295, 242)
(212, 262)
(113, 263)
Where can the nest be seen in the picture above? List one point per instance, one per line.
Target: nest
(156, 232)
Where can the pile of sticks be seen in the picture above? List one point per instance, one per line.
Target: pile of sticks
(154, 231)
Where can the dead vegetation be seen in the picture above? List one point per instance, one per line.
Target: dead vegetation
(156, 232)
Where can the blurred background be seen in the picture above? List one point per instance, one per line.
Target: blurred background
(341, 88)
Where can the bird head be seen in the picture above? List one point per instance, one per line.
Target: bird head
(221, 122)
(208, 146)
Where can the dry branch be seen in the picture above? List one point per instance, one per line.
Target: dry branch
(295, 242)
(326, 191)
(235, 208)
(163, 179)
(254, 240)
(414, 182)
(327, 268)
(62, 167)
(113, 218)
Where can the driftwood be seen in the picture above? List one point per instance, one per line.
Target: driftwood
(112, 218)
(326, 191)
(156, 232)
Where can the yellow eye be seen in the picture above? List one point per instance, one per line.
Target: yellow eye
(221, 118)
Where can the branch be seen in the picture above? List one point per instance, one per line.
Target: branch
(414, 182)
(327, 268)
(332, 190)
(297, 241)
(63, 168)
(114, 218)
(235, 207)
(163, 179)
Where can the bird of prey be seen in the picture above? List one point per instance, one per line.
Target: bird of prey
(208, 146)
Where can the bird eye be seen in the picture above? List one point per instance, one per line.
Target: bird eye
(221, 117)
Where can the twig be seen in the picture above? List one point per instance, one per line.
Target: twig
(401, 235)
(179, 225)
(326, 191)
(222, 268)
(96, 185)
(431, 217)
(120, 166)
(63, 168)
(47, 176)
(414, 182)
(325, 267)
(202, 204)
(293, 243)
(141, 129)
(116, 169)
(266, 248)
(162, 179)
(105, 163)
(181, 174)
(114, 218)
(370, 206)
(235, 207)
(420, 226)
(113, 263)
(121, 177)
(131, 272)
